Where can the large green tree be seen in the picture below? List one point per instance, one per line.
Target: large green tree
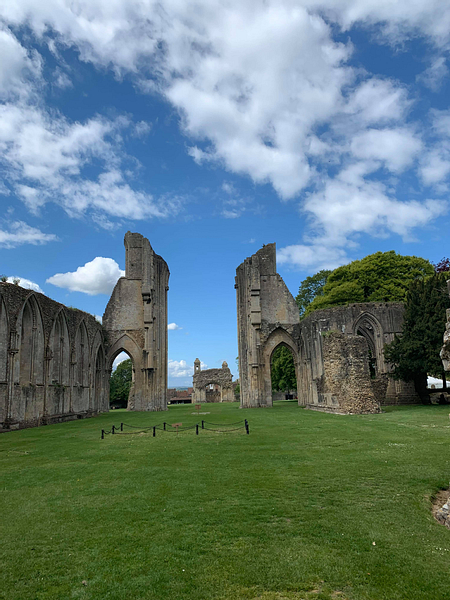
(120, 383)
(310, 288)
(283, 370)
(416, 353)
(379, 277)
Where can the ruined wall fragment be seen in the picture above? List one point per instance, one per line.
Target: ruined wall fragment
(52, 365)
(135, 321)
(445, 352)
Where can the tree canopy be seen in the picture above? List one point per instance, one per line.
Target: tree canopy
(120, 383)
(310, 288)
(416, 353)
(379, 277)
(283, 370)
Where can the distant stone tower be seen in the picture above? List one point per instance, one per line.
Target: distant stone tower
(197, 366)
(135, 321)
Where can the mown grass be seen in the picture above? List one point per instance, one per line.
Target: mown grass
(309, 505)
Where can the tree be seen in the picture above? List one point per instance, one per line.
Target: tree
(416, 353)
(379, 277)
(283, 370)
(310, 288)
(442, 266)
(120, 383)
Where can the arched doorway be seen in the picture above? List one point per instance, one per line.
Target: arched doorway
(121, 382)
(283, 374)
(278, 338)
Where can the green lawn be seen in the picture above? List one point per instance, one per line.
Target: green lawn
(309, 505)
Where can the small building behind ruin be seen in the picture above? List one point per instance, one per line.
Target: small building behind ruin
(212, 385)
(338, 352)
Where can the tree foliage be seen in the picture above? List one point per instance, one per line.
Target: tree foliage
(283, 370)
(310, 288)
(416, 352)
(379, 277)
(442, 266)
(121, 382)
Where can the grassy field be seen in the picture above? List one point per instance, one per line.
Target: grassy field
(309, 505)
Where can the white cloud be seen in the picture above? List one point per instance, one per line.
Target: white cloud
(435, 74)
(314, 257)
(119, 359)
(99, 276)
(25, 283)
(254, 83)
(397, 147)
(180, 368)
(173, 327)
(20, 233)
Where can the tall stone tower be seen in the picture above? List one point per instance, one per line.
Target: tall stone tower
(135, 321)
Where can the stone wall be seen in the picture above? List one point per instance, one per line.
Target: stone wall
(135, 321)
(445, 352)
(268, 317)
(52, 361)
(221, 381)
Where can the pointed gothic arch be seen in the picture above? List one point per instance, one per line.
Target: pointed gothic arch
(278, 337)
(368, 326)
(29, 367)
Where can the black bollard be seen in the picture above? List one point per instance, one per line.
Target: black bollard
(203, 424)
(196, 428)
(164, 425)
(121, 427)
(112, 429)
(103, 434)
(154, 431)
(246, 427)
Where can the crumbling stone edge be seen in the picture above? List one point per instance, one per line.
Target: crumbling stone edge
(441, 507)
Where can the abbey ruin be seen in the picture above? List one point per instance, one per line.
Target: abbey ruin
(55, 361)
(212, 385)
(135, 322)
(334, 349)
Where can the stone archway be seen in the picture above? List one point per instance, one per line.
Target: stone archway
(278, 337)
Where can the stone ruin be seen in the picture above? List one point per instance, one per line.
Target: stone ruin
(338, 352)
(445, 352)
(212, 385)
(52, 361)
(55, 361)
(135, 322)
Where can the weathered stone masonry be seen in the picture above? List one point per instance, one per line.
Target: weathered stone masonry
(55, 362)
(333, 349)
(212, 385)
(135, 321)
(52, 361)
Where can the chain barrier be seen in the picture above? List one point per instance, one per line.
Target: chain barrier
(175, 428)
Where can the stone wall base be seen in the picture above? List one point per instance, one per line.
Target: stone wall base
(48, 420)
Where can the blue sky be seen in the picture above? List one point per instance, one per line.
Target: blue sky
(212, 128)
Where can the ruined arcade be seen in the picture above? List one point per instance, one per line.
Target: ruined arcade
(338, 352)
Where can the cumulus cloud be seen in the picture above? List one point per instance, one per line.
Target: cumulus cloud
(180, 368)
(173, 327)
(314, 257)
(19, 233)
(435, 74)
(25, 283)
(99, 276)
(264, 89)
